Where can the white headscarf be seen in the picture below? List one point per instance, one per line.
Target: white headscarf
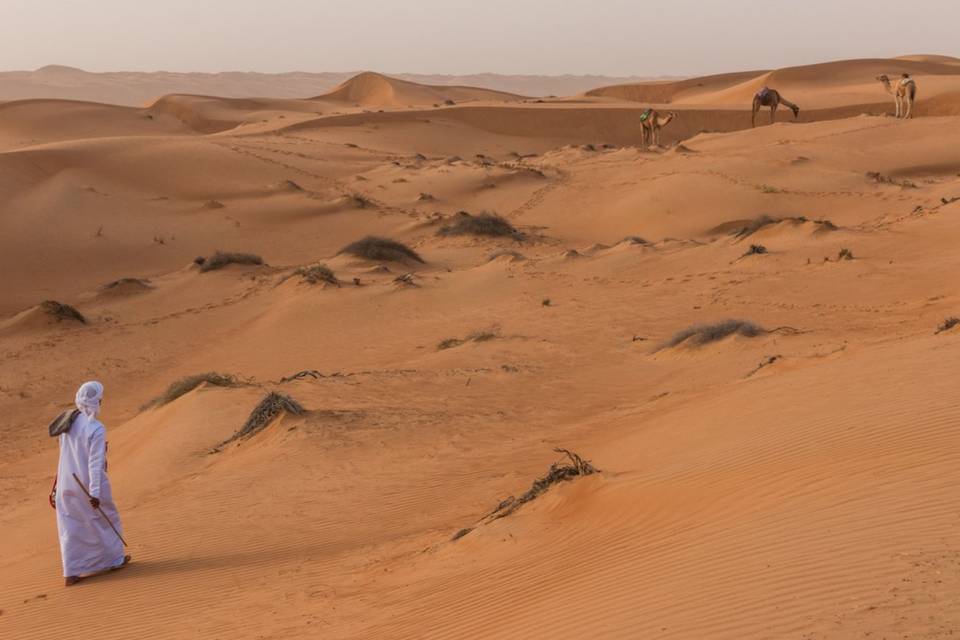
(88, 398)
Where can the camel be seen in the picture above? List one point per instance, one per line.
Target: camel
(770, 98)
(903, 95)
(650, 124)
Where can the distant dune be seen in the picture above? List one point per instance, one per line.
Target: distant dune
(137, 88)
(375, 90)
(824, 85)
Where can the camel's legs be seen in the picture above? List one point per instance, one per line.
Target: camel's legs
(899, 105)
(909, 107)
(773, 113)
(753, 113)
(656, 137)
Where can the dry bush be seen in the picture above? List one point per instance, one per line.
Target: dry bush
(185, 385)
(743, 230)
(948, 323)
(361, 201)
(701, 334)
(558, 472)
(381, 249)
(756, 249)
(272, 405)
(220, 259)
(635, 240)
(316, 274)
(476, 336)
(61, 312)
(879, 178)
(845, 254)
(483, 224)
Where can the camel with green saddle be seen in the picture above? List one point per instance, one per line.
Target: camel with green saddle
(650, 124)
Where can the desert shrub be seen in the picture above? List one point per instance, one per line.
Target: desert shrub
(316, 274)
(701, 334)
(185, 385)
(756, 249)
(382, 249)
(745, 229)
(634, 240)
(220, 259)
(948, 323)
(476, 336)
(845, 254)
(879, 178)
(272, 405)
(61, 312)
(360, 201)
(766, 188)
(558, 472)
(482, 224)
(449, 343)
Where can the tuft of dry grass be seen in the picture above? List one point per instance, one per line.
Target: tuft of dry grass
(701, 334)
(483, 224)
(845, 254)
(948, 323)
(61, 312)
(273, 405)
(742, 230)
(476, 336)
(879, 178)
(755, 249)
(558, 472)
(360, 201)
(317, 274)
(220, 259)
(185, 385)
(381, 249)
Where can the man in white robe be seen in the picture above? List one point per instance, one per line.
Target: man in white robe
(88, 544)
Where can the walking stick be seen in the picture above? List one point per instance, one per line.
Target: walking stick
(101, 511)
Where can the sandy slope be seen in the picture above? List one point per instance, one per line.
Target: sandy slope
(797, 484)
(817, 86)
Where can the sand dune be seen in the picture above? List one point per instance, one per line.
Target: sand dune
(819, 86)
(376, 90)
(794, 480)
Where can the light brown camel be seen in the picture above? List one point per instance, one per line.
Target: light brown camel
(767, 97)
(650, 124)
(904, 94)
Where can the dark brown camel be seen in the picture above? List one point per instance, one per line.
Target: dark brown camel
(770, 98)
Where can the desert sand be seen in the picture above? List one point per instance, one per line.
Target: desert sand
(797, 482)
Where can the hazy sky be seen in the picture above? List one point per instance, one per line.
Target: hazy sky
(613, 37)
